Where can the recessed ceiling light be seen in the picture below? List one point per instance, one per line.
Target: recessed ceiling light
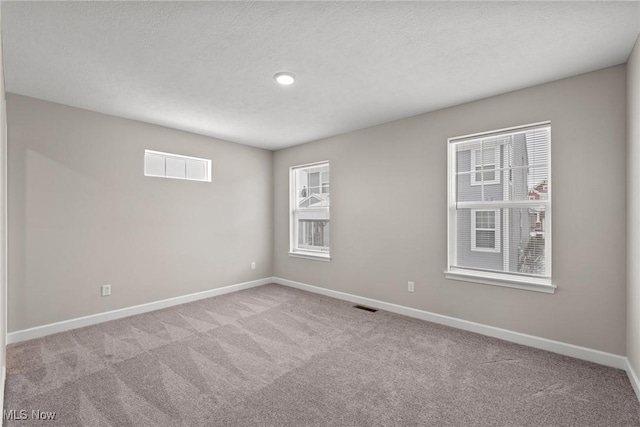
(285, 78)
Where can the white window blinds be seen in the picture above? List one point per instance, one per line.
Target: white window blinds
(500, 202)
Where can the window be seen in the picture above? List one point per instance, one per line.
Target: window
(310, 202)
(485, 160)
(166, 165)
(499, 205)
(485, 230)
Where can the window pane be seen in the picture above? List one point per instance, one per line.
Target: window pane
(538, 184)
(521, 233)
(521, 182)
(196, 169)
(532, 260)
(485, 219)
(485, 239)
(176, 167)
(308, 182)
(463, 157)
(468, 189)
(314, 179)
(489, 176)
(478, 175)
(154, 164)
(530, 225)
(489, 156)
(526, 159)
(538, 146)
(301, 184)
(468, 185)
(313, 234)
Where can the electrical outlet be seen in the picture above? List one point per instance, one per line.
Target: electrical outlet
(106, 290)
(410, 286)
(253, 265)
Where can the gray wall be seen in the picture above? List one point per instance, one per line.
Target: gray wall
(633, 208)
(82, 213)
(389, 224)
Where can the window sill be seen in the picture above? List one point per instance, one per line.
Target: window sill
(311, 255)
(505, 280)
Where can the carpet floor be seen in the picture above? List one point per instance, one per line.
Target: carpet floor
(276, 356)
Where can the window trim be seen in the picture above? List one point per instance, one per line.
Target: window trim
(294, 251)
(501, 279)
(531, 283)
(497, 237)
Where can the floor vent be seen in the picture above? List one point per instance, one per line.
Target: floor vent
(362, 307)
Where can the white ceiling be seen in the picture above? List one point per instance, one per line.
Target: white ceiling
(207, 67)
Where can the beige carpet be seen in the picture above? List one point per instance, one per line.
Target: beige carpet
(275, 356)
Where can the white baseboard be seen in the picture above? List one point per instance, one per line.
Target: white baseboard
(65, 325)
(633, 377)
(583, 353)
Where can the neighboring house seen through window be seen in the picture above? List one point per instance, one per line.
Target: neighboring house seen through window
(485, 162)
(500, 208)
(310, 202)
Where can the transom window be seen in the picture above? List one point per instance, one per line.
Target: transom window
(310, 211)
(176, 166)
(500, 208)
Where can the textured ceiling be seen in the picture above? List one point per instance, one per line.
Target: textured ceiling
(207, 67)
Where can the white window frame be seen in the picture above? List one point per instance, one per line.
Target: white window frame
(496, 229)
(294, 211)
(496, 278)
(482, 165)
(207, 163)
